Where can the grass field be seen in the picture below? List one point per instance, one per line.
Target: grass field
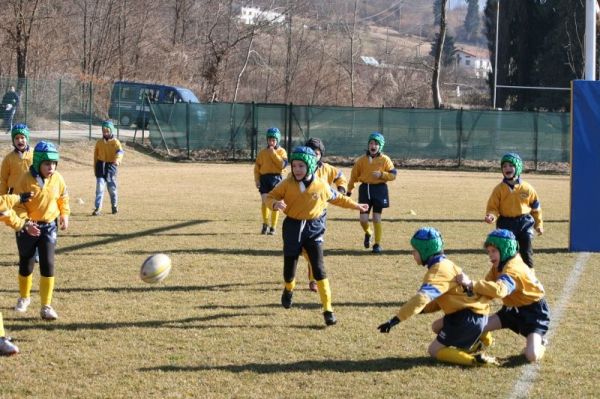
(215, 326)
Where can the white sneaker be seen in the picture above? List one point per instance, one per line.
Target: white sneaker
(7, 348)
(47, 313)
(22, 304)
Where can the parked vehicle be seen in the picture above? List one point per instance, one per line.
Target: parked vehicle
(128, 105)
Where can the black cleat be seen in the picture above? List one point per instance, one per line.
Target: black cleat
(329, 317)
(115, 210)
(264, 229)
(286, 298)
(367, 242)
(96, 212)
(271, 231)
(377, 249)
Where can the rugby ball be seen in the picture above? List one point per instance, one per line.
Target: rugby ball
(155, 268)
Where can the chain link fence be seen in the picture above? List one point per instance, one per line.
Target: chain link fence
(68, 109)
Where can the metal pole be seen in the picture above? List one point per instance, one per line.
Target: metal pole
(90, 113)
(496, 51)
(59, 107)
(187, 127)
(590, 40)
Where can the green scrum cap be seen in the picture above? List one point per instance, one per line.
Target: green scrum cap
(378, 137)
(274, 133)
(428, 242)
(108, 125)
(20, 128)
(306, 155)
(504, 241)
(515, 160)
(44, 151)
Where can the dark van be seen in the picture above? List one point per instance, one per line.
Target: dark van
(126, 101)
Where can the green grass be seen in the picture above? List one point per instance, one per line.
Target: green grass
(215, 327)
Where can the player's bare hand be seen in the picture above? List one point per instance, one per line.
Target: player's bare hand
(32, 229)
(489, 218)
(63, 222)
(463, 280)
(377, 174)
(279, 205)
(363, 207)
(540, 230)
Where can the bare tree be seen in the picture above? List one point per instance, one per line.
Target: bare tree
(437, 64)
(19, 29)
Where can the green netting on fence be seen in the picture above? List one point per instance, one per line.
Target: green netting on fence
(410, 133)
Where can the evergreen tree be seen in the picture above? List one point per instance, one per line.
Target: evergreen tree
(539, 44)
(448, 52)
(437, 10)
(472, 20)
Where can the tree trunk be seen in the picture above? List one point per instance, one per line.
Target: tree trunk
(435, 80)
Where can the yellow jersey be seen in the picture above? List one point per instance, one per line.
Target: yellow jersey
(514, 201)
(363, 169)
(270, 161)
(15, 164)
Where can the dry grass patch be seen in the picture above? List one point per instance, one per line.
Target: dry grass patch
(215, 328)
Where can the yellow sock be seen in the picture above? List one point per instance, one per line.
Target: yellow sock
(378, 232)
(25, 283)
(2, 334)
(487, 339)
(46, 290)
(264, 211)
(274, 217)
(456, 356)
(291, 285)
(366, 228)
(325, 294)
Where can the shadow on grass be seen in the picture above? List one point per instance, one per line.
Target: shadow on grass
(187, 323)
(307, 305)
(168, 288)
(128, 236)
(514, 361)
(415, 218)
(304, 366)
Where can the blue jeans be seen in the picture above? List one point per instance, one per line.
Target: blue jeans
(111, 183)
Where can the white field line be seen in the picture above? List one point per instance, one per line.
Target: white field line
(530, 371)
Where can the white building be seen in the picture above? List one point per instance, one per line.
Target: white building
(253, 15)
(475, 60)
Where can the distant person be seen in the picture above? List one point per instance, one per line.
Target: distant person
(17, 162)
(460, 332)
(373, 170)
(268, 172)
(334, 177)
(514, 205)
(303, 198)
(108, 155)
(10, 101)
(524, 309)
(36, 223)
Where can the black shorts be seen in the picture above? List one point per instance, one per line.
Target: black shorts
(297, 232)
(462, 329)
(376, 195)
(524, 320)
(268, 182)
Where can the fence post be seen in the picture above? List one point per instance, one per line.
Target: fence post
(381, 119)
(26, 97)
(536, 138)
(289, 128)
(253, 132)
(459, 126)
(187, 128)
(59, 107)
(90, 112)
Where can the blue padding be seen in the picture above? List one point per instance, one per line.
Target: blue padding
(584, 227)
